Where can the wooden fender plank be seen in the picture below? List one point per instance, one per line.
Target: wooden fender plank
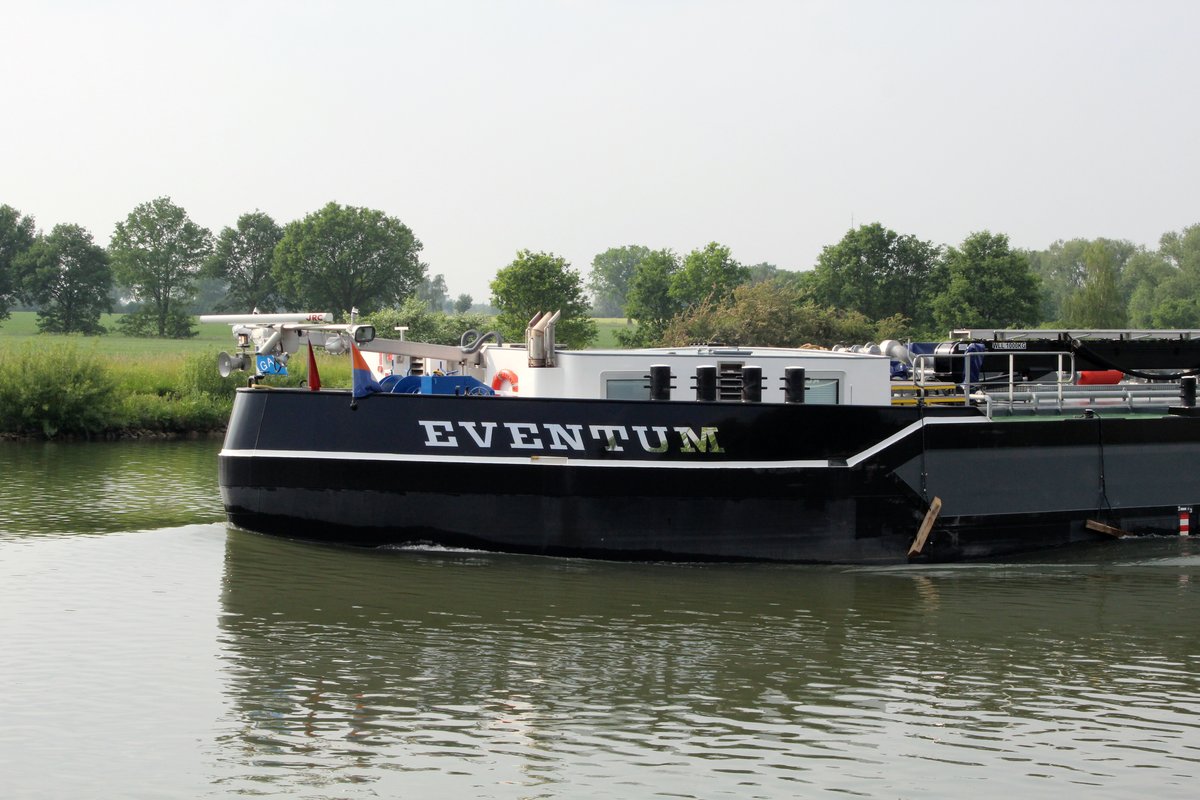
(1102, 528)
(931, 516)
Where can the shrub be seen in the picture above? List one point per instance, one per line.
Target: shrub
(199, 376)
(772, 315)
(56, 390)
(158, 375)
(143, 412)
(53, 390)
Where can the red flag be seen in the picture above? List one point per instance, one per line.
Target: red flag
(314, 377)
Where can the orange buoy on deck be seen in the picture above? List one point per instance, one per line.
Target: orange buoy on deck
(1099, 377)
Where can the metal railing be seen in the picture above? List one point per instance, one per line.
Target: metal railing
(924, 368)
(1059, 396)
(1034, 399)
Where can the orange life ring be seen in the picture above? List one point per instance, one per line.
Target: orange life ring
(502, 377)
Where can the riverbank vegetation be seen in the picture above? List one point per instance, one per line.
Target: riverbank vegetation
(116, 385)
(73, 389)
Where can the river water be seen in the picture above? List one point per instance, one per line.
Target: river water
(147, 650)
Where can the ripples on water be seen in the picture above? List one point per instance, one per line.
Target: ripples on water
(96, 487)
(186, 661)
(570, 678)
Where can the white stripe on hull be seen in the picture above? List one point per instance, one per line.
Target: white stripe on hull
(554, 460)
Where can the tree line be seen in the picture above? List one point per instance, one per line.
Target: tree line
(873, 284)
(876, 283)
(336, 258)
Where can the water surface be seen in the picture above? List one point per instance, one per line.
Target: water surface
(50, 488)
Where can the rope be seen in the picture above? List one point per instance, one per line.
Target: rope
(924, 470)
(1103, 506)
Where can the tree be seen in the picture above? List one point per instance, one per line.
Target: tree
(803, 281)
(434, 293)
(791, 279)
(1062, 269)
(426, 325)
(463, 304)
(609, 280)
(763, 272)
(1098, 302)
(243, 257)
(1145, 276)
(68, 276)
(710, 273)
(157, 252)
(987, 286)
(1175, 311)
(1178, 298)
(344, 257)
(769, 314)
(649, 301)
(1163, 286)
(536, 282)
(878, 272)
(1182, 250)
(17, 234)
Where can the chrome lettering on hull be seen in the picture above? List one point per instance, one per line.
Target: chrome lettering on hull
(572, 437)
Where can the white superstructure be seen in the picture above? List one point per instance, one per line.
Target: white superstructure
(840, 378)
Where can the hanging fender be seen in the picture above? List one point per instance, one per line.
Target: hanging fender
(502, 377)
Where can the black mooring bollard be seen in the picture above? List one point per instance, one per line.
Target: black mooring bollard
(706, 383)
(793, 385)
(751, 384)
(660, 382)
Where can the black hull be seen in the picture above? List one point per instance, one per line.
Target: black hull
(828, 484)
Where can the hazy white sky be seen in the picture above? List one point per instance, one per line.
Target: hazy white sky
(576, 126)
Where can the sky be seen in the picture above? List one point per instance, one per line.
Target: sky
(573, 127)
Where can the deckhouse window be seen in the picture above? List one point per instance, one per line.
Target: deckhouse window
(821, 391)
(627, 388)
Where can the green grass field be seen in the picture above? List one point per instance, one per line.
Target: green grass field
(22, 326)
(607, 328)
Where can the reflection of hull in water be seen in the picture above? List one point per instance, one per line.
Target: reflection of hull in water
(702, 481)
(337, 643)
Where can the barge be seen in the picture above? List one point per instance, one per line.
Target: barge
(991, 444)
